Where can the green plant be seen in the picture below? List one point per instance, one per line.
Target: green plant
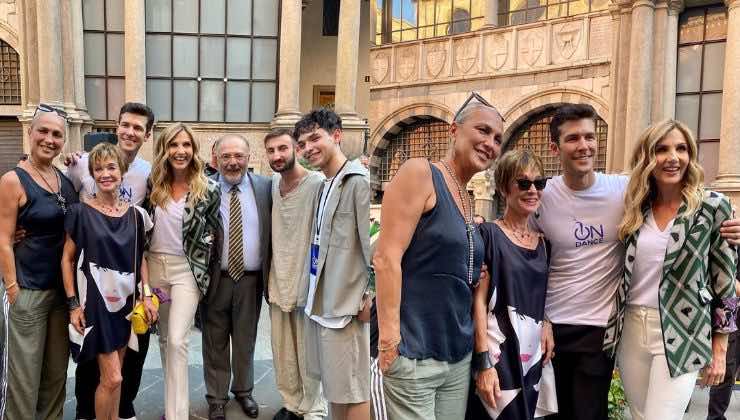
(617, 400)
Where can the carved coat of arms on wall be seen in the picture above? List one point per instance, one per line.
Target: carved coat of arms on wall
(531, 46)
(568, 38)
(466, 54)
(436, 58)
(381, 63)
(406, 63)
(497, 51)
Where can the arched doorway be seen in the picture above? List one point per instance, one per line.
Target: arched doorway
(11, 132)
(534, 134)
(425, 136)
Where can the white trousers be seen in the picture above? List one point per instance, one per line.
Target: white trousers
(651, 392)
(173, 275)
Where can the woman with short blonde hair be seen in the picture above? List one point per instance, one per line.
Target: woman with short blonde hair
(676, 304)
(183, 250)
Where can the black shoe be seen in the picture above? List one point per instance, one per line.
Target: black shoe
(285, 414)
(216, 412)
(248, 405)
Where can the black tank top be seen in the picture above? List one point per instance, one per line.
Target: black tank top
(38, 256)
(436, 299)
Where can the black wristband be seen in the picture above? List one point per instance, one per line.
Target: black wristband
(73, 303)
(481, 361)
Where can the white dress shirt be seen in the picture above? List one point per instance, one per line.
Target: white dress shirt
(250, 224)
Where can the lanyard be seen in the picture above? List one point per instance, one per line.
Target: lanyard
(322, 204)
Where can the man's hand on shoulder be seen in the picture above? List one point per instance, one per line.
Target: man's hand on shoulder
(70, 159)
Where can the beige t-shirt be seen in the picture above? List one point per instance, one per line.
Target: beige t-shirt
(291, 238)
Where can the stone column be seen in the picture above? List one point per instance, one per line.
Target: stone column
(483, 186)
(49, 46)
(290, 64)
(664, 69)
(728, 177)
(618, 84)
(78, 41)
(348, 44)
(639, 91)
(490, 20)
(134, 42)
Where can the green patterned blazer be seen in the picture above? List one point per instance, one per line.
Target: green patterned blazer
(201, 233)
(696, 294)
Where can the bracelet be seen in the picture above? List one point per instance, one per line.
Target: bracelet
(392, 345)
(147, 291)
(73, 303)
(481, 361)
(11, 285)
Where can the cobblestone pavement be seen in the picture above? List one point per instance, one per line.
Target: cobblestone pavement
(150, 401)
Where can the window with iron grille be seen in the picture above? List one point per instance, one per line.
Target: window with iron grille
(702, 36)
(213, 61)
(102, 22)
(535, 135)
(10, 81)
(426, 138)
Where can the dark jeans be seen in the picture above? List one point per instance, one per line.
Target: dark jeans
(720, 395)
(87, 377)
(583, 373)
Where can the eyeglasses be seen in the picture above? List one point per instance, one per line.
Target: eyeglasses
(227, 157)
(49, 108)
(475, 95)
(526, 184)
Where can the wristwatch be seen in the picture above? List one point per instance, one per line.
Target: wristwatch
(73, 303)
(147, 291)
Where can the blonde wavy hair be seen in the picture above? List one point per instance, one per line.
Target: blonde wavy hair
(162, 175)
(641, 189)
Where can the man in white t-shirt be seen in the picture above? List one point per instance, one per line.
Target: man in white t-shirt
(135, 122)
(579, 214)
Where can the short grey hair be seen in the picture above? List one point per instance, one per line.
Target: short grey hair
(217, 144)
(471, 106)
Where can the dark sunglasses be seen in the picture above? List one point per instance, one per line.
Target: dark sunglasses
(526, 184)
(49, 108)
(479, 98)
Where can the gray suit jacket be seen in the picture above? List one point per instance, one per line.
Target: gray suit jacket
(262, 187)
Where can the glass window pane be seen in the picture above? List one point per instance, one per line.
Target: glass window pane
(212, 101)
(714, 66)
(691, 26)
(185, 56)
(599, 5)
(158, 55)
(536, 14)
(263, 101)
(716, 23)
(95, 97)
(212, 56)
(158, 95)
(185, 15)
(408, 13)
(408, 35)
(115, 97)
(92, 15)
(477, 9)
(709, 160)
(239, 18)
(577, 7)
(265, 59)
(158, 15)
(688, 69)
(237, 101)
(687, 111)
(444, 11)
(114, 15)
(238, 60)
(711, 115)
(115, 54)
(212, 16)
(185, 100)
(426, 32)
(94, 47)
(266, 17)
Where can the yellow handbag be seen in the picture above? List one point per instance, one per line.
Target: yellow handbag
(138, 316)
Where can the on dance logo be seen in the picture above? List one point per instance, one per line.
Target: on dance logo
(588, 234)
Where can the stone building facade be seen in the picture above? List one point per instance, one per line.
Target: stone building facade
(635, 62)
(242, 66)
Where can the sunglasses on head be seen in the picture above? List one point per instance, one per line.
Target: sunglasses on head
(478, 98)
(49, 108)
(526, 184)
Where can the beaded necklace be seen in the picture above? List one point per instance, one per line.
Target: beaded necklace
(468, 216)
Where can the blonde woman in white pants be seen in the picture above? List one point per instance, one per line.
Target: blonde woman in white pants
(184, 205)
(677, 302)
